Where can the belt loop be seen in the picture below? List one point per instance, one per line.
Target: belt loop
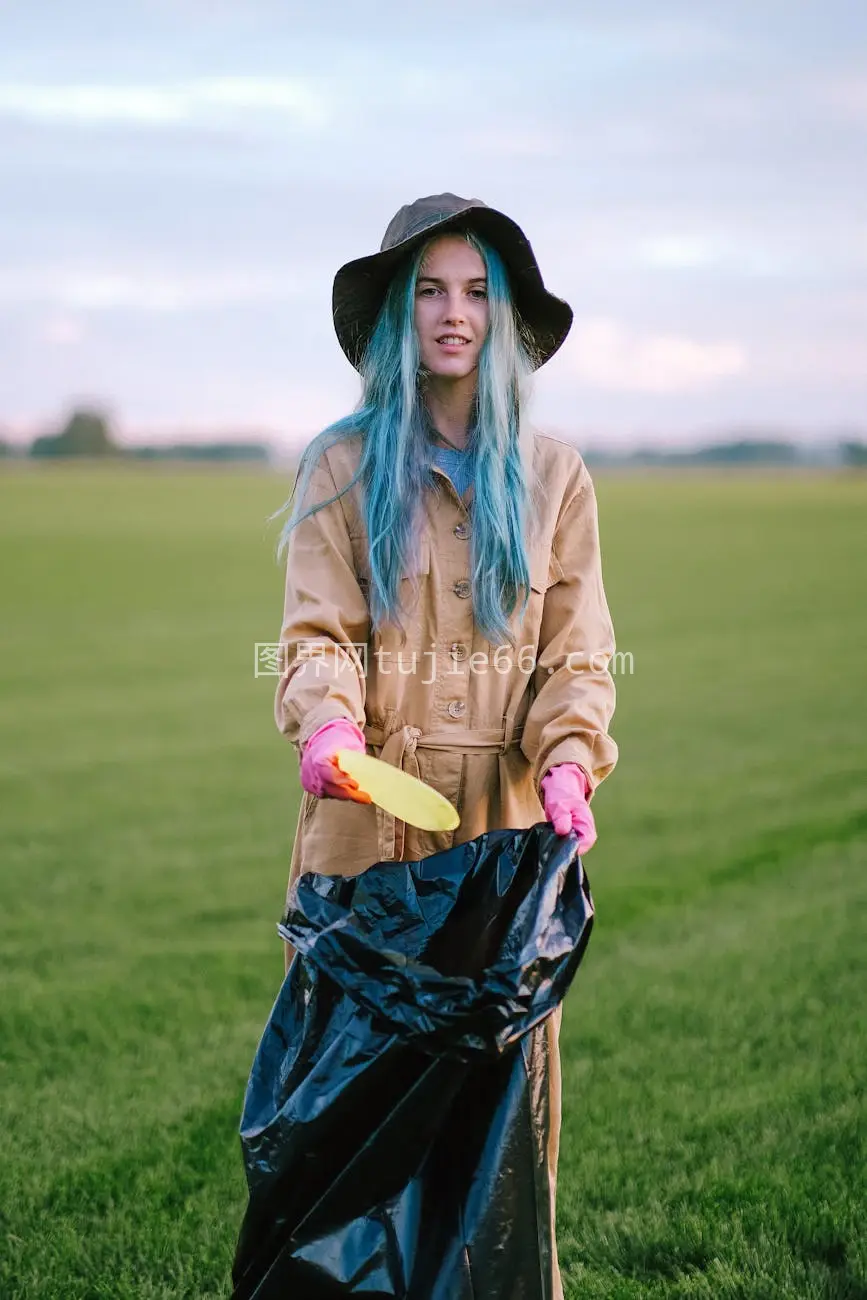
(385, 829)
(396, 748)
(511, 733)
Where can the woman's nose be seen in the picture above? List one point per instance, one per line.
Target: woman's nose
(454, 311)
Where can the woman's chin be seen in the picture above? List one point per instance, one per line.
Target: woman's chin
(451, 368)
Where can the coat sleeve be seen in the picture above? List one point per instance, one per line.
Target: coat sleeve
(574, 694)
(325, 621)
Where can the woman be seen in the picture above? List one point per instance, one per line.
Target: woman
(444, 599)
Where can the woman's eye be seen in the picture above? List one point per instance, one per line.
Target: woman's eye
(481, 294)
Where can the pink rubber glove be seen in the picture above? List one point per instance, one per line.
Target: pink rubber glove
(566, 789)
(320, 774)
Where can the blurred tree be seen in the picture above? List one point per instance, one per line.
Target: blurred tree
(86, 433)
(749, 451)
(222, 451)
(853, 453)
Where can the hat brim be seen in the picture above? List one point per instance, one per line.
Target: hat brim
(360, 286)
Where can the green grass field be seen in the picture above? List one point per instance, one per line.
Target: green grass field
(714, 1041)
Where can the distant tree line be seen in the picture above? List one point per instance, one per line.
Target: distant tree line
(87, 432)
(846, 453)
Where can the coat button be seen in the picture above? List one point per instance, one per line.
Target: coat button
(458, 650)
(462, 588)
(461, 530)
(457, 708)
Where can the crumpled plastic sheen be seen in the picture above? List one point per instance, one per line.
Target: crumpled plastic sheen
(395, 1125)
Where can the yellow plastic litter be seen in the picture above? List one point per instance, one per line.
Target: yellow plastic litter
(400, 794)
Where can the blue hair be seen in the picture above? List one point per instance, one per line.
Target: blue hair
(395, 466)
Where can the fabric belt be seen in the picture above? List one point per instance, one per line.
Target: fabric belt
(399, 747)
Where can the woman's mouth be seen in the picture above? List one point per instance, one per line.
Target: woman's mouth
(452, 342)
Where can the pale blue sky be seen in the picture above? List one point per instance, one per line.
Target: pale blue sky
(181, 180)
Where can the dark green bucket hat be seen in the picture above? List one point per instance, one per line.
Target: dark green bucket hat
(360, 286)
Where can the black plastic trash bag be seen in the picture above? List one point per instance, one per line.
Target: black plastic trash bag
(395, 1125)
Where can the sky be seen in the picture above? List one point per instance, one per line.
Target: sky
(181, 179)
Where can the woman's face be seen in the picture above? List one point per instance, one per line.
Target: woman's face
(451, 308)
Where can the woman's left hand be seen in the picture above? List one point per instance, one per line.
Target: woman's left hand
(565, 790)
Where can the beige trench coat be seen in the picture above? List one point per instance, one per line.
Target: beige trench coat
(482, 725)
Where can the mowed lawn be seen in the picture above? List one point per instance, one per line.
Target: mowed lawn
(714, 1040)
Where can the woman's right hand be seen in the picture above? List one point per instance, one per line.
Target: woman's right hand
(320, 774)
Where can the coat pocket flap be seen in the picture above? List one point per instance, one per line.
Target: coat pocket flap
(416, 567)
(545, 570)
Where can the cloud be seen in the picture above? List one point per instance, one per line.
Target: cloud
(63, 331)
(679, 252)
(105, 290)
(758, 253)
(515, 142)
(191, 101)
(847, 96)
(607, 355)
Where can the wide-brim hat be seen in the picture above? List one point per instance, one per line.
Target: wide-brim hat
(360, 286)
